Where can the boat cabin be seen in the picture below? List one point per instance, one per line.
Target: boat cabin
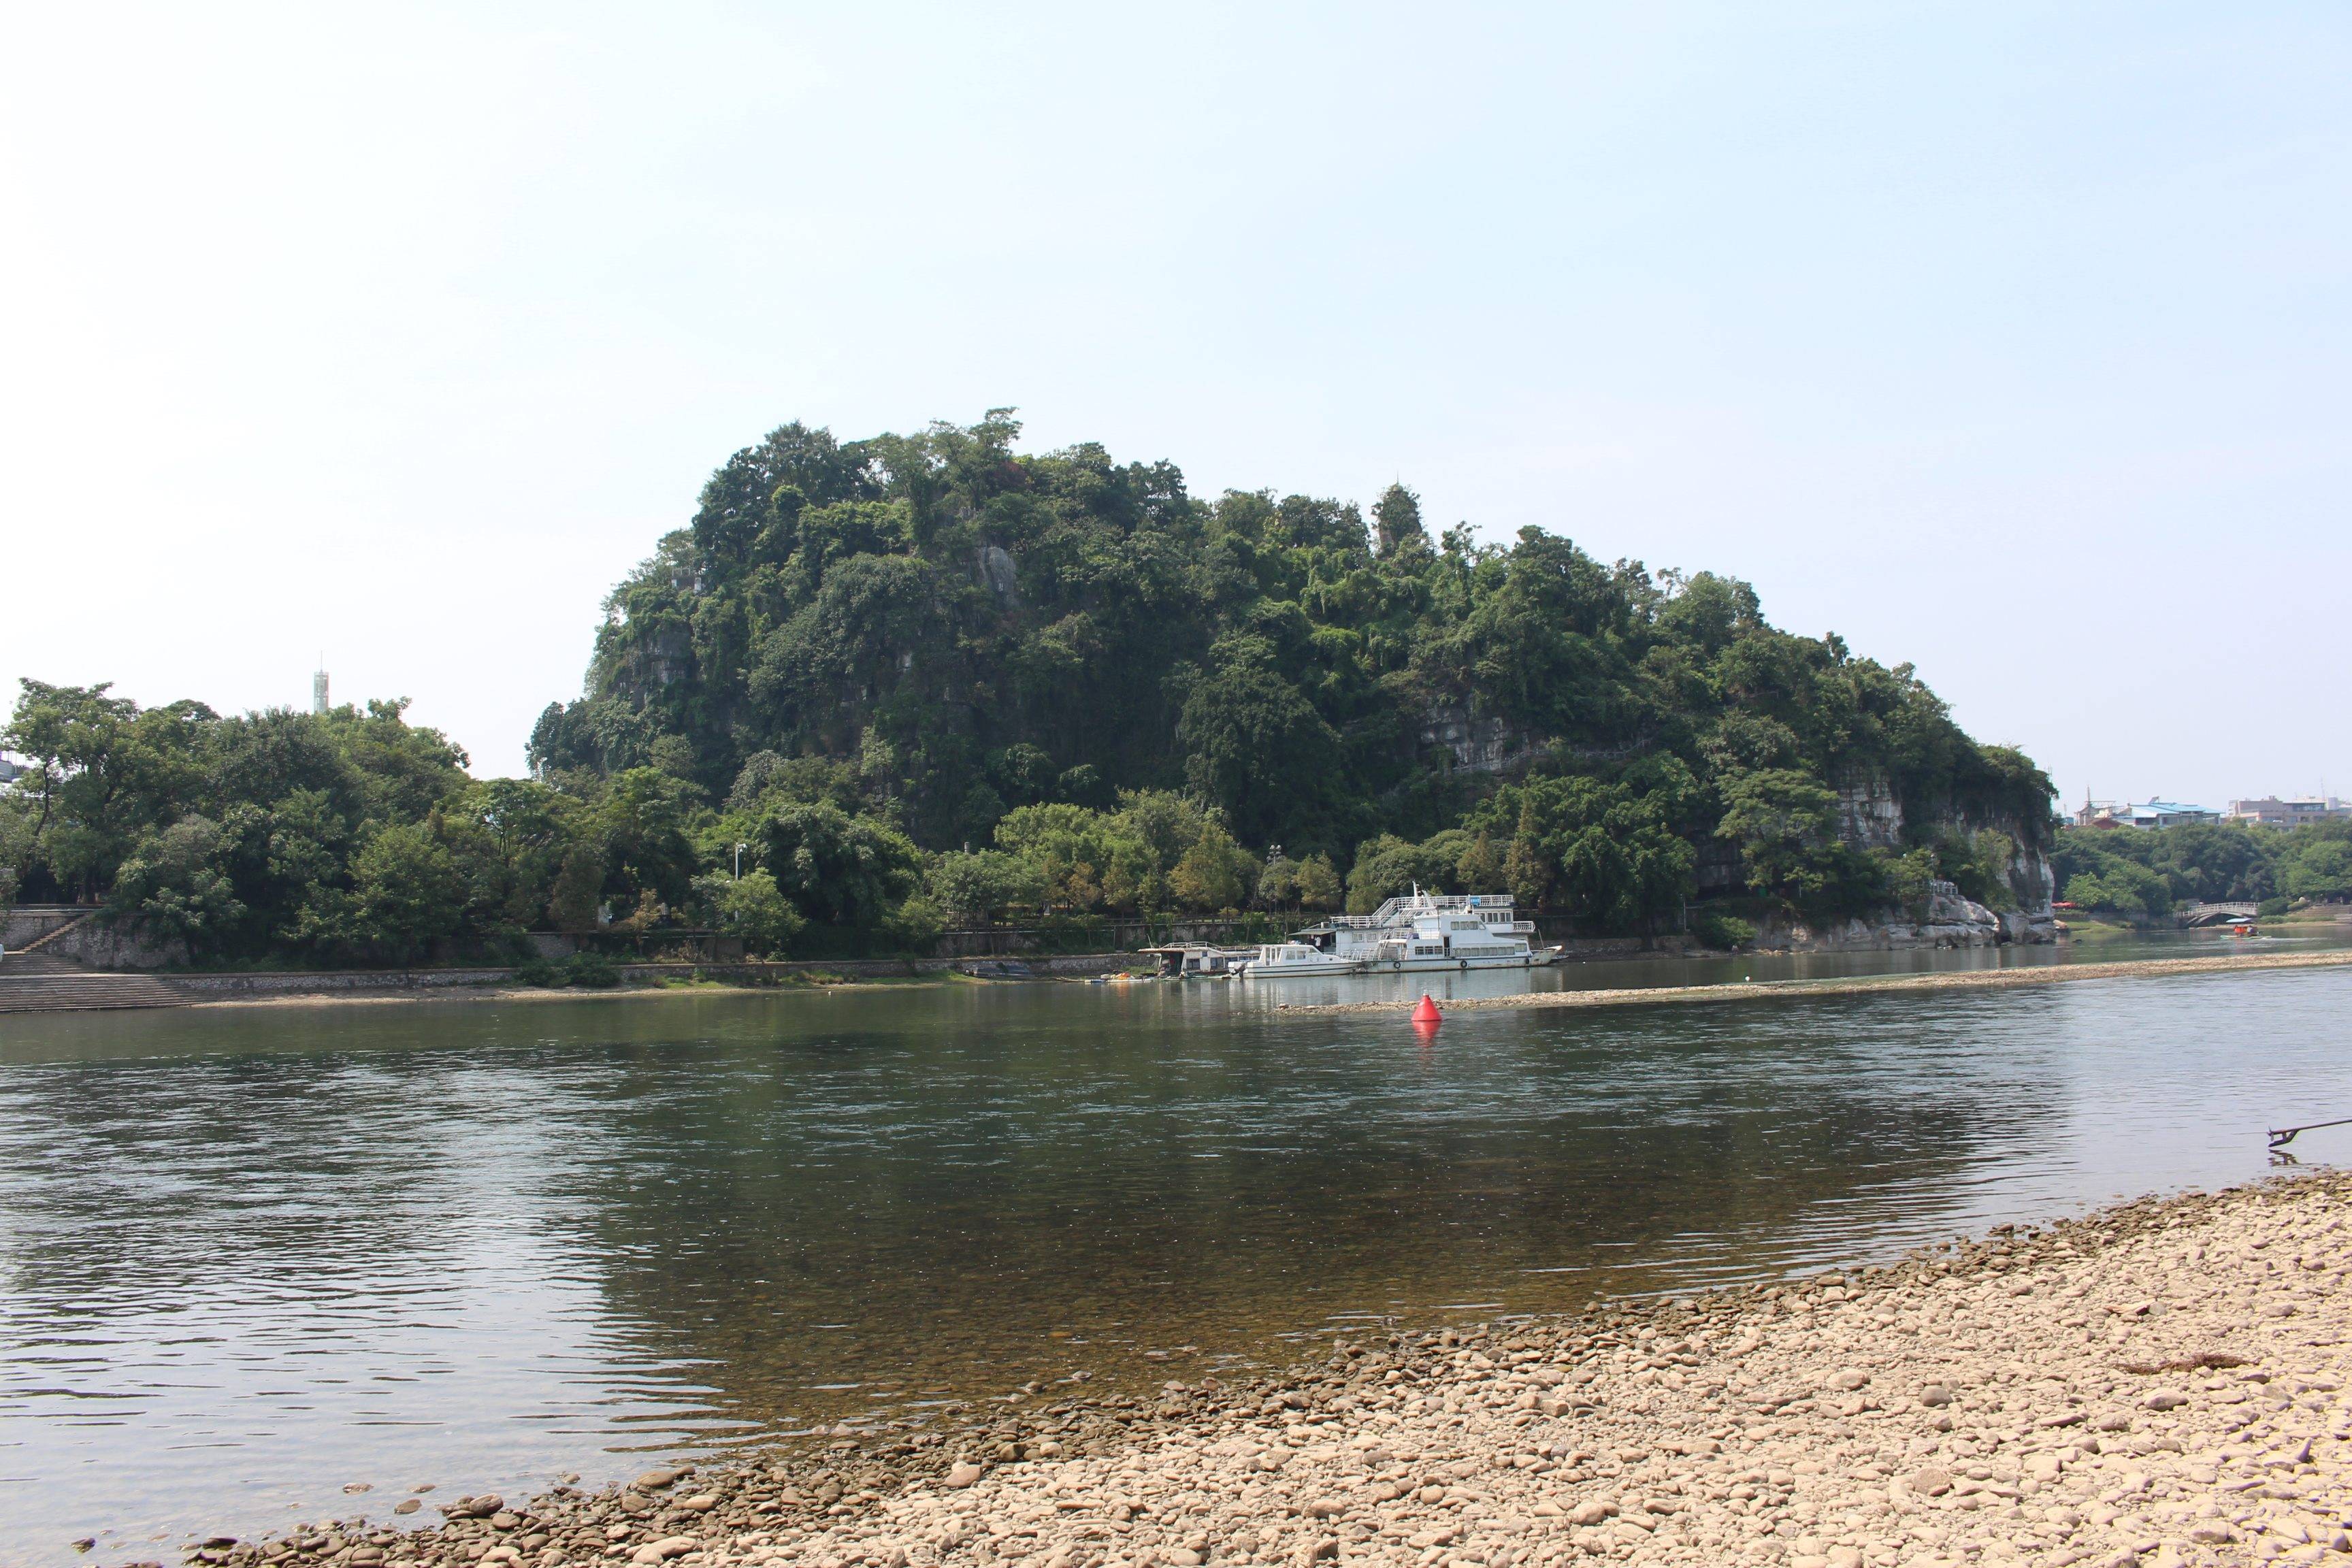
(1181, 960)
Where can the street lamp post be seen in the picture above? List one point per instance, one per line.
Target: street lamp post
(738, 860)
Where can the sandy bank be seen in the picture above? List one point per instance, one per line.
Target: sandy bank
(354, 997)
(391, 993)
(2159, 1383)
(1874, 985)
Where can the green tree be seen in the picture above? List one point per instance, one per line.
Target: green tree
(1397, 519)
(983, 884)
(1783, 823)
(103, 773)
(1388, 867)
(407, 892)
(176, 884)
(836, 870)
(753, 908)
(2318, 865)
(1319, 883)
(1214, 872)
(1606, 853)
(1277, 883)
(1256, 745)
(1480, 869)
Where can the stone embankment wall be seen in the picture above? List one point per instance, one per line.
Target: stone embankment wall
(81, 933)
(2160, 1385)
(25, 923)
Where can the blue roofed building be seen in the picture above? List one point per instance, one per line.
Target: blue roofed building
(2164, 814)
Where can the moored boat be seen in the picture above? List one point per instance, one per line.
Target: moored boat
(1292, 960)
(1198, 960)
(1419, 931)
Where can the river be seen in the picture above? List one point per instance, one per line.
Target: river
(249, 1257)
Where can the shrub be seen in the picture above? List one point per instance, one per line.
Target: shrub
(1716, 928)
(591, 971)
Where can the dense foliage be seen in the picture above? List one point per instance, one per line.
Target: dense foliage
(2136, 873)
(985, 647)
(880, 686)
(349, 835)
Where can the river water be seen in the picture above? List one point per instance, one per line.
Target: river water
(248, 1256)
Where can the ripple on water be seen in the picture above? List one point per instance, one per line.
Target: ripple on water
(249, 1256)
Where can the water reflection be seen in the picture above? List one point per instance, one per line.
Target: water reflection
(247, 1256)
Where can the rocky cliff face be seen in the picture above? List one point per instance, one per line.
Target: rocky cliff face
(1952, 920)
(1872, 817)
(1480, 743)
(1869, 816)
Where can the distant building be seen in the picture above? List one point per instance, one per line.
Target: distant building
(2273, 812)
(9, 772)
(2096, 814)
(2150, 814)
(2167, 813)
(319, 692)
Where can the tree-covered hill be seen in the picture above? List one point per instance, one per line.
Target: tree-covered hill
(975, 631)
(880, 687)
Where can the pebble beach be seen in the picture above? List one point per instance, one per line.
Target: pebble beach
(2162, 1383)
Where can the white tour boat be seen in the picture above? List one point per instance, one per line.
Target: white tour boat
(1417, 932)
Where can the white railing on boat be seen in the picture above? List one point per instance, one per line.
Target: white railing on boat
(1422, 904)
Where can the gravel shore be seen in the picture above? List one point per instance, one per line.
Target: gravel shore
(2162, 1383)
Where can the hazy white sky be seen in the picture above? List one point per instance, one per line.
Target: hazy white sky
(2008, 339)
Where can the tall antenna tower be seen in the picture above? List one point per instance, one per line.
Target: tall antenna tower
(318, 686)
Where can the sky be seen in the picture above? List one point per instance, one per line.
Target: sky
(2007, 341)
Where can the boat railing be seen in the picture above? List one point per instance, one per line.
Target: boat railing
(1391, 912)
(1433, 903)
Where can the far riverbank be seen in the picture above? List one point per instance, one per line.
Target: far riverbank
(813, 978)
(1594, 972)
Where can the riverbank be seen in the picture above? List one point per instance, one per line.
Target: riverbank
(645, 981)
(2159, 1383)
(638, 991)
(1874, 985)
(28, 987)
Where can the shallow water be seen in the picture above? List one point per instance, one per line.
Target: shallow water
(248, 1256)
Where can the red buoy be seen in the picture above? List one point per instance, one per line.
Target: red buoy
(1427, 1012)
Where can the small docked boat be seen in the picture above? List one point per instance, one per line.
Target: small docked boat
(1290, 960)
(1198, 960)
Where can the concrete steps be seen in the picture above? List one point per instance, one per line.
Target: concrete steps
(37, 983)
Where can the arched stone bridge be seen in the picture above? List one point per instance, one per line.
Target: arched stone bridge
(2215, 914)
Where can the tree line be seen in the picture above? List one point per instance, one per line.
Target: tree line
(875, 688)
(2140, 874)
